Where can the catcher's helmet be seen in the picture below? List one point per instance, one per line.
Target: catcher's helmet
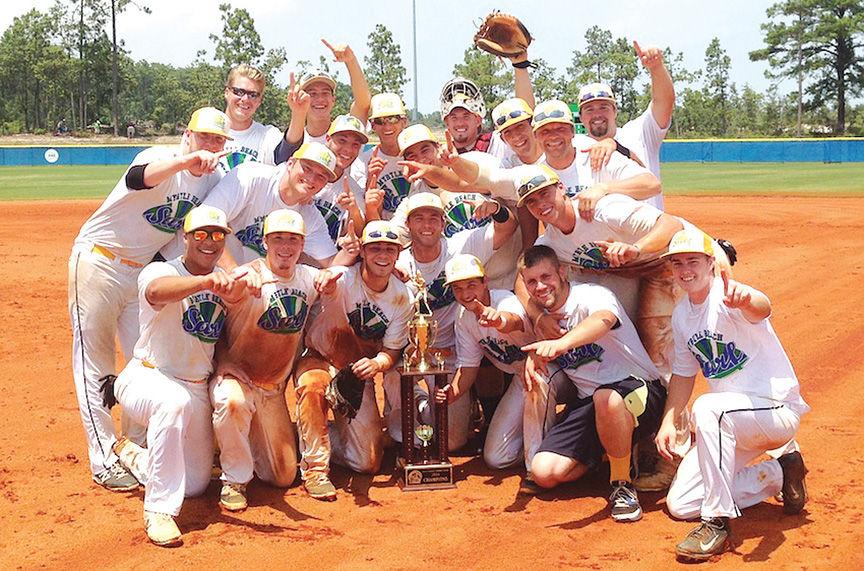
(461, 92)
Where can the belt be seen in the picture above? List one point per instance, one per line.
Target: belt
(193, 381)
(106, 253)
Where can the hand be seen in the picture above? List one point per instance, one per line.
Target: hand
(666, 440)
(325, 281)
(448, 393)
(618, 253)
(651, 57)
(588, 200)
(341, 52)
(401, 274)
(735, 294)
(220, 283)
(366, 368)
(448, 154)
(202, 161)
(249, 279)
(535, 372)
(349, 242)
(373, 169)
(346, 200)
(548, 349)
(415, 171)
(600, 153)
(485, 208)
(298, 100)
(547, 326)
(486, 316)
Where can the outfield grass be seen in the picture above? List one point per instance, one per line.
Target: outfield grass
(57, 182)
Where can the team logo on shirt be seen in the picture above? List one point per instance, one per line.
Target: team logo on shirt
(332, 215)
(440, 295)
(589, 256)
(252, 237)
(502, 351)
(204, 317)
(286, 312)
(237, 157)
(368, 321)
(717, 358)
(395, 188)
(572, 191)
(578, 356)
(459, 214)
(169, 217)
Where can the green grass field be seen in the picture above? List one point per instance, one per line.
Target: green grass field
(72, 182)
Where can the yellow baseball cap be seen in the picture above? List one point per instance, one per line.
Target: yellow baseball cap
(510, 112)
(210, 120)
(463, 267)
(414, 134)
(552, 111)
(386, 105)
(424, 200)
(204, 216)
(690, 241)
(317, 153)
(596, 91)
(346, 124)
(380, 231)
(317, 76)
(531, 178)
(284, 220)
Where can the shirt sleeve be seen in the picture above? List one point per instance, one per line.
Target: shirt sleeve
(500, 182)
(148, 274)
(683, 362)
(396, 336)
(620, 168)
(626, 214)
(478, 242)
(267, 152)
(468, 352)
(511, 304)
(229, 194)
(600, 298)
(318, 245)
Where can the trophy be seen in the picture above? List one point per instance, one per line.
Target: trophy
(430, 467)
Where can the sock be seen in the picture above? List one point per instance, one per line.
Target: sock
(619, 468)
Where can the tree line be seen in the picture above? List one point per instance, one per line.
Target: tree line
(67, 63)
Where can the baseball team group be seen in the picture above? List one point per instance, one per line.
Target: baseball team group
(574, 312)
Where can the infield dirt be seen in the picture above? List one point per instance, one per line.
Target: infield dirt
(807, 254)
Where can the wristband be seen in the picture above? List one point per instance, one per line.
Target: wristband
(501, 215)
(524, 64)
(622, 149)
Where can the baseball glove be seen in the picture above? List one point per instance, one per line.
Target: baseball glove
(345, 392)
(106, 386)
(502, 35)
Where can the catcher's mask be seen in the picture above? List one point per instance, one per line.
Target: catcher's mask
(461, 92)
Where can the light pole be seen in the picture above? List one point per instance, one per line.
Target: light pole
(414, 25)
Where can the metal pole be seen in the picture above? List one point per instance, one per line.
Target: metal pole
(414, 23)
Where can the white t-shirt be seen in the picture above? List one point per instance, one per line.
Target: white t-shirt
(307, 138)
(644, 136)
(441, 300)
(616, 217)
(391, 181)
(178, 338)
(733, 354)
(357, 322)
(248, 194)
(135, 224)
(504, 350)
(325, 201)
(255, 143)
(615, 356)
(263, 333)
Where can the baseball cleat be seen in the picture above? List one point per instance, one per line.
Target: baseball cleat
(320, 488)
(116, 479)
(162, 530)
(233, 497)
(709, 539)
(528, 487)
(794, 489)
(624, 502)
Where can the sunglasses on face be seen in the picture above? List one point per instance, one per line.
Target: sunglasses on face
(386, 120)
(385, 234)
(595, 95)
(556, 114)
(215, 235)
(240, 92)
(515, 114)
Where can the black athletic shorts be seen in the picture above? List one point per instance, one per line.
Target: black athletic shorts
(575, 436)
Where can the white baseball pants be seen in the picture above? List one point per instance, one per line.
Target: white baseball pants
(540, 403)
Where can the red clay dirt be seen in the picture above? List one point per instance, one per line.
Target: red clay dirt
(806, 253)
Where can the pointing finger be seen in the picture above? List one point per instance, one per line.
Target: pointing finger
(725, 278)
(326, 43)
(637, 48)
(350, 232)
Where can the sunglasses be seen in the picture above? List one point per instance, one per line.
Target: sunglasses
(532, 184)
(377, 234)
(515, 114)
(556, 114)
(240, 92)
(386, 120)
(595, 95)
(215, 235)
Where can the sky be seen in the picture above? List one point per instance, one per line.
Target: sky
(175, 31)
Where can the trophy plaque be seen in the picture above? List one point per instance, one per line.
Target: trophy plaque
(429, 467)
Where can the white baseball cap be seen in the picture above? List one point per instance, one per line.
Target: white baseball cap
(414, 134)
(531, 178)
(424, 200)
(317, 76)
(347, 124)
(509, 112)
(210, 120)
(552, 111)
(386, 105)
(463, 267)
(594, 92)
(690, 241)
(204, 216)
(380, 231)
(284, 220)
(317, 153)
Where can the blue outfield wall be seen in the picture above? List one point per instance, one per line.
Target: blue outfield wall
(840, 150)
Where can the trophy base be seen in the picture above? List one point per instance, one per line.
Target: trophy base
(417, 477)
